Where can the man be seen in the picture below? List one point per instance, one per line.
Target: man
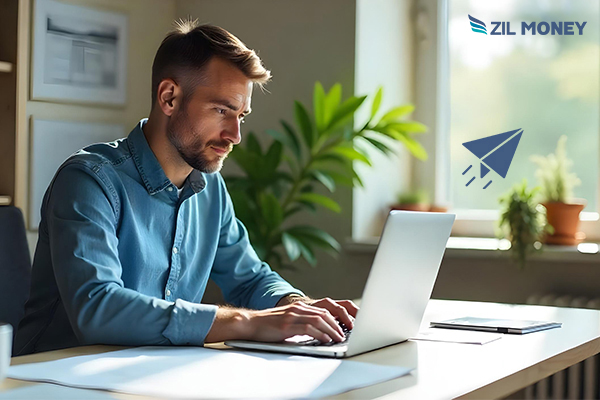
(132, 230)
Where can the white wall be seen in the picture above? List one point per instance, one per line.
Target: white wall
(300, 41)
(149, 21)
(384, 57)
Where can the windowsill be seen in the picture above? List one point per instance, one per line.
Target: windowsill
(493, 215)
(470, 247)
(482, 223)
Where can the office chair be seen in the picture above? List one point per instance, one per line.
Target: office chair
(15, 266)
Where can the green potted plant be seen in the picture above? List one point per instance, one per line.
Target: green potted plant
(522, 221)
(306, 160)
(412, 200)
(557, 183)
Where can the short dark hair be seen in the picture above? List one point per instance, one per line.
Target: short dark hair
(190, 46)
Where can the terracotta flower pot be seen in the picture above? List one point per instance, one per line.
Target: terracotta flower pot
(564, 218)
(411, 207)
(441, 209)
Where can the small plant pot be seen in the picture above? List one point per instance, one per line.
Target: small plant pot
(411, 207)
(564, 218)
(438, 209)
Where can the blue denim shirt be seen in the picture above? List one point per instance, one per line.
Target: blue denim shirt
(122, 259)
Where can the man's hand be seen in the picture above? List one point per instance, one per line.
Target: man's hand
(342, 310)
(317, 318)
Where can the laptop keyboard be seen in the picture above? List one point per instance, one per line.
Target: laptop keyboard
(316, 342)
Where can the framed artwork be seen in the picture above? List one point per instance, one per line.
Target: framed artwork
(79, 54)
(52, 142)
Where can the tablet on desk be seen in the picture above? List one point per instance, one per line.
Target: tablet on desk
(496, 325)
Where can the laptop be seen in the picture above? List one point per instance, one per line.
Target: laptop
(396, 294)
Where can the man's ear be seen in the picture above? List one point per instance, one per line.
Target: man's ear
(168, 96)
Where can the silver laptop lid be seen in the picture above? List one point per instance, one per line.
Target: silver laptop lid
(401, 279)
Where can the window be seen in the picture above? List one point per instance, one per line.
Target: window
(469, 85)
(548, 85)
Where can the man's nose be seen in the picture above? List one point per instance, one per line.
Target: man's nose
(233, 132)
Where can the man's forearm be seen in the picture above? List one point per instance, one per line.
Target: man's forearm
(235, 323)
(230, 323)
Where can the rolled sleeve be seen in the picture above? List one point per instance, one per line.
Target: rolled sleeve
(190, 323)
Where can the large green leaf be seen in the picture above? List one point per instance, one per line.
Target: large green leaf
(320, 200)
(325, 179)
(411, 144)
(414, 147)
(252, 144)
(237, 183)
(307, 252)
(339, 178)
(356, 177)
(271, 210)
(308, 205)
(292, 165)
(397, 112)
(285, 139)
(387, 131)
(352, 154)
(331, 157)
(303, 121)
(319, 106)
(385, 149)
(291, 246)
(246, 210)
(273, 157)
(247, 161)
(345, 112)
(408, 126)
(376, 102)
(318, 236)
(292, 211)
(296, 148)
(332, 102)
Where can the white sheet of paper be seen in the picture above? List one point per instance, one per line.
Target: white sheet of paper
(457, 336)
(48, 391)
(195, 372)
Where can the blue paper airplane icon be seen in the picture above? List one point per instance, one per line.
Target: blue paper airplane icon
(496, 152)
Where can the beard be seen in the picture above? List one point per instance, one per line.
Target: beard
(191, 147)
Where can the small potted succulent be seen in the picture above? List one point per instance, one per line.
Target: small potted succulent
(522, 221)
(557, 183)
(412, 200)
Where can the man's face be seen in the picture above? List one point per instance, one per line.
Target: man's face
(205, 128)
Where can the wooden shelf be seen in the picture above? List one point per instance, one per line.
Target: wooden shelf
(5, 200)
(5, 66)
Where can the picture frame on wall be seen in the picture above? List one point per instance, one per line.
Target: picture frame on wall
(79, 54)
(52, 142)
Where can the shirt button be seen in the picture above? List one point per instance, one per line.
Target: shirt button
(175, 250)
(168, 292)
(170, 189)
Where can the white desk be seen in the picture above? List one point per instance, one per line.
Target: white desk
(446, 370)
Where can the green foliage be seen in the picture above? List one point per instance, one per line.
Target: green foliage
(419, 196)
(522, 221)
(318, 150)
(553, 174)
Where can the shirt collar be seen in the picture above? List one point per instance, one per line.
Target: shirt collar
(150, 170)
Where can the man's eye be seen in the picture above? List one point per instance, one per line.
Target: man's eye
(221, 111)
